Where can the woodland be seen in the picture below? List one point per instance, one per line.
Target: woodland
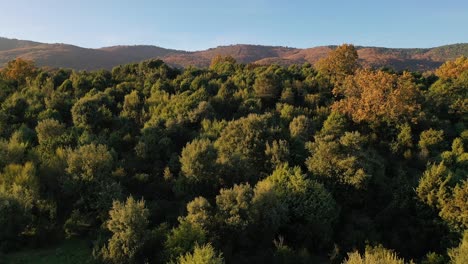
(236, 163)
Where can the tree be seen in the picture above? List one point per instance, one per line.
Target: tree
(49, 129)
(19, 70)
(278, 152)
(447, 97)
(223, 64)
(378, 97)
(269, 211)
(431, 141)
(444, 186)
(92, 112)
(199, 212)
(267, 87)
(128, 223)
(198, 164)
(22, 183)
(301, 127)
(205, 254)
(89, 185)
(453, 69)
(132, 107)
(373, 255)
(13, 220)
(183, 239)
(234, 206)
(221, 59)
(339, 63)
(90, 163)
(344, 160)
(311, 208)
(241, 147)
(459, 255)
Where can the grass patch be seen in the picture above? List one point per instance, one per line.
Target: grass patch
(69, 251)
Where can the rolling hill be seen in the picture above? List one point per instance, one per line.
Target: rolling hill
(70, 56)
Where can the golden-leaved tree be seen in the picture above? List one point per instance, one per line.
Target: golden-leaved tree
(378, 97)
(339, 63)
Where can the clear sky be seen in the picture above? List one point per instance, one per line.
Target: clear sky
(201, 24)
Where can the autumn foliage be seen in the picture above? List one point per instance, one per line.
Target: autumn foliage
(19, 69)
(377, 96)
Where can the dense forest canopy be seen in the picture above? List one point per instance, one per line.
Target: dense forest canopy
(237, 163)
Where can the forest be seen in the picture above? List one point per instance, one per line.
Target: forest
(236, 163)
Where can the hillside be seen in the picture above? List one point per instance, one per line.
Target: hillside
(69, 56)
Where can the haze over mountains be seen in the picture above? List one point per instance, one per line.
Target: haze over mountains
(70, 56)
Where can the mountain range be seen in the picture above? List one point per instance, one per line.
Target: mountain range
(70, 56)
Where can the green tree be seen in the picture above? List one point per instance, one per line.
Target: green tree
(311, 208)
(129, 226)
(199, 212)
(267, 87)
(132, 107)
(344, 160)
(183, 239)
(13, 220)
(373, 255)
(430, 142)
(22, 183)
(92, 112)
(444, 186)
(241, 146)
(90, 162)
(48, 130)
(234, 206)
(459, 255)
(205, 254)
(199, 166)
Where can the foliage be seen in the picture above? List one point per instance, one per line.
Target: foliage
(254, 163)
(378, 97)
(339, 63)
(372, 255)
(205, 254)
(459, 254)
(128, 223)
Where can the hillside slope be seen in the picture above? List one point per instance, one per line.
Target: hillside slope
(69, 56)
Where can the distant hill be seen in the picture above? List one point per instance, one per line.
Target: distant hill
(69, 56)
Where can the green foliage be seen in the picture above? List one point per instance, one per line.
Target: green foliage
(219, 157)
(344, 160)
(20, 182)
(13, 219)
(459, 254)
(373, 255)
(198, 165)
(430, 141)
(90, 162)
(308, 202)
(267, 87)
(183, 239)
(199, 212)
(234, 205)
(205, 254)
(128, 223)
(445, 186)
(92, 112)
(242, 146)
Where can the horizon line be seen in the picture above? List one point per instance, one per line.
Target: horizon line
(227, 45)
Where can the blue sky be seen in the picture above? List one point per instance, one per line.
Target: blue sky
(201, 24)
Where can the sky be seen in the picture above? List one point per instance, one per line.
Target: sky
(201, 24)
